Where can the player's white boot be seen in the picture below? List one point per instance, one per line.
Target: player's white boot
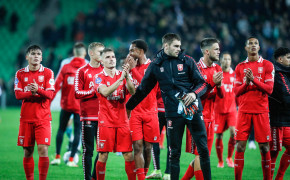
(71, 164)
(55, 162)
(166, 177)
(155, 174)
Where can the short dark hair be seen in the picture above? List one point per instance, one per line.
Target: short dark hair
(78, 48)
(208, 42)
(170, 37)
(32, 48)
(251, 37)
(281, 51)
(141, 44)
(107, 50)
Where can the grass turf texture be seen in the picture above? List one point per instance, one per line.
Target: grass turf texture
(11, 156)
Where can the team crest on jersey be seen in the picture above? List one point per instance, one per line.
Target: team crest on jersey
(40, 78)
(90, 76)
(101, 145)
(108, 83)
(245, 70)
(180, 67)
(25, 79)
(16, 81)
(98, 80)
(162, 69)
(51, 82)
(169, 123)
(232, 79)
(260, 69)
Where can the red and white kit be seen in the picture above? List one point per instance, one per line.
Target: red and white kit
(144, 122)
(35, 113)
(65, 81)
(114, 134)
(207, 101)
(253, 99)
(225, 108)
(84, 90)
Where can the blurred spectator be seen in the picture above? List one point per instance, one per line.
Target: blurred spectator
(2, 94)
(3, 13)
(14, 19)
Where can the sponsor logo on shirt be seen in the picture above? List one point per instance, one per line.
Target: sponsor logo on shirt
(180, 67)
(70, 80)
(16, 81)
(162, 69)
(98, 80)
(91, 84)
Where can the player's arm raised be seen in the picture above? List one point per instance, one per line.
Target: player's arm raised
(107, 90)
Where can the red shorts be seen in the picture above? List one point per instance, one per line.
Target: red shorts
(261, 127)
(280, 137)
(145, 127)
(190, 144)
(29, 132)
(114, 139)
(224, 121)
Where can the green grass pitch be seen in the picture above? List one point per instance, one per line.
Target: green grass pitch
(11, 156)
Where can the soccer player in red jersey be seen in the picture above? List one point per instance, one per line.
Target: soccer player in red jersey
(114, 134)
(254, 82)
(226, 112)
(84, 90)
(144, 122)
(65, 81)
(213, 75)
(279, 105)
(34, 85)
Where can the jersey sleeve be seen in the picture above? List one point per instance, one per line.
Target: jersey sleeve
(80, 93)
(267, 85)
(196, 77)
(17, 82)
(136, 75)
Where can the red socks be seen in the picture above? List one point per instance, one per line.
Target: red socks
(28, 164)
(146, 171)
(140, 173)
(266, 165)
(189, 173)
(284, 164)
(198, 175)
(239, 165)
(219, 149)
(100, 170)
(231, 146)
(274, 155)
(43, 165)
(129, 168)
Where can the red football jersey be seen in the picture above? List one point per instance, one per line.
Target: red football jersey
(149, 104)
(84, 90)
(207, 100)
(160, 103)
(253, 98)
(112, 109)
(65, 81)
(34, 107)
(226, 104)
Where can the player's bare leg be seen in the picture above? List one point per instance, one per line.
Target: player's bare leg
(231, 147)
(147, 155)
(219, 149)
(239, 159)
(266, 159)
(129, 165)
(43, 163)
(139, 159)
